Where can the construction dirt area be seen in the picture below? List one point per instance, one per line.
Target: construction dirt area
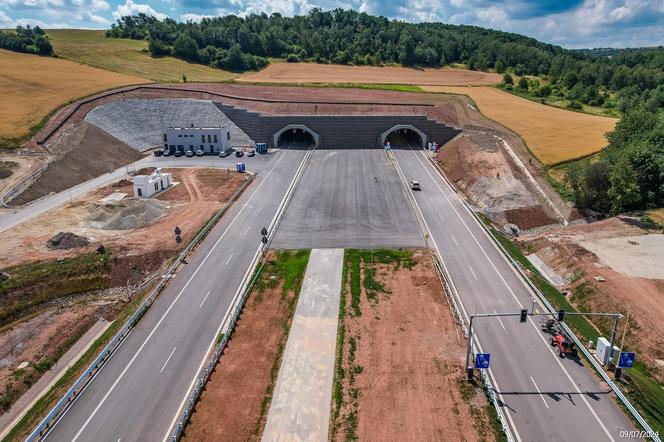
(235, 402)
(400, 344)
(612, 265)
(56, 283)
(329, 73)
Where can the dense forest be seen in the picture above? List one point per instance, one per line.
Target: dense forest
(626, 79)
(629, 173)
(26, 39)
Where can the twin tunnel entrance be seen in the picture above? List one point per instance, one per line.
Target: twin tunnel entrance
(403, 136)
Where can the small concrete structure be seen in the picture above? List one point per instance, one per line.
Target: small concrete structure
(147, 185)
(211, 140)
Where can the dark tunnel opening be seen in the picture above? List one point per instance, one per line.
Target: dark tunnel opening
(405, 139)
(296, 138)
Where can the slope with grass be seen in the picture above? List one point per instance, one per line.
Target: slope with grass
(33, 86)
(126, 56)
(553, 135)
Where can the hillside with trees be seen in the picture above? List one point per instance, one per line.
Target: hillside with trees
(26, 39)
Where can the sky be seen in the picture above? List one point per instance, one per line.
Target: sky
(569, 23)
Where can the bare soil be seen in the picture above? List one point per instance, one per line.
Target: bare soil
(563, 250)
(403, 381)
(82, 152)
(234, 406)
(192, 202)
(479, 166)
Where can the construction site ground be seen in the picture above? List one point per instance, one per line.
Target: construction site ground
(136, 253)
(236, 400)
(612, 265)
(399, 344)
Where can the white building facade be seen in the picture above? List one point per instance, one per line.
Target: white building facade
(211, 140)
(147, 185)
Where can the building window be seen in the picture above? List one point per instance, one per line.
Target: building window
(165, 139)
(201, 146)
(215, 138)
(202, 138)
(191, 147)
(179, 135)
(209, 139)
(165, 145)
(228, 135)
(156, 187)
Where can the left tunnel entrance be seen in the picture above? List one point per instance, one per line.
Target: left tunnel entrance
(295, 136)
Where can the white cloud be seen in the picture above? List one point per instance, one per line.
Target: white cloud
(6, 21)
(194, 17)
(131, 8)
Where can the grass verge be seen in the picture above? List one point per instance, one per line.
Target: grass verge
(384, 87)
(638, 385)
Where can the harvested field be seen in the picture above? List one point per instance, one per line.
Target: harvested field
(128, 57)
(33, 86)
(399, 345)
(82, 152)
(553, 135)
(235, 402)
(629, 258)
(329, 73)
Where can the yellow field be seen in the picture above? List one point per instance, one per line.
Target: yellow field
(33, 86)
(129, 57)
(553, 135)
(329, 73)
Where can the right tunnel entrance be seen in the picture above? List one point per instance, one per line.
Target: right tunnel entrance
(404, 137)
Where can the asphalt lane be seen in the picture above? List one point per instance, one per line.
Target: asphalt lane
(544, 397)
(349, 198)
(139, 392)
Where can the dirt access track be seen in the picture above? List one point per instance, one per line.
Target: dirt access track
(401, 376)
(329, 73)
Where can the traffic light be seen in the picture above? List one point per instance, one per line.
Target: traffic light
(524, 315)
(561, 315)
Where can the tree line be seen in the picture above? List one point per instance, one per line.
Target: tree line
(629, 173)
(623, 79)
(26, 39)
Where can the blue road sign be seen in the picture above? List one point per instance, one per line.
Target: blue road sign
(482, 360)
(626, 359)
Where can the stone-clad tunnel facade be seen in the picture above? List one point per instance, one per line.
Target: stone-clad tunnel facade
(336, 131)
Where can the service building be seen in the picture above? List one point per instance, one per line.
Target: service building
(147, 185)
(211, 140)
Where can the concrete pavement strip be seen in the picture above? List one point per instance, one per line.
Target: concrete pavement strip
(300, 408)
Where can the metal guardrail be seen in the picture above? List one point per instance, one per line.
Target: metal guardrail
(57, 411)
(625, 401)
(219, 349)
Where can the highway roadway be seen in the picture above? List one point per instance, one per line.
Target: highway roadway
(543, 396)
(139, 393)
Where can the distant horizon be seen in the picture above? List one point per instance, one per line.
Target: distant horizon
(572, 24)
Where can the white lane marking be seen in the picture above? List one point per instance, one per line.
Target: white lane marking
(140, 349)
(245, 230)
(206, 296)
(228, 311)
(169, 358)
(473, 272)
(229, 259)
(500, 320)
(557, 359)
(442, 218)
(540, 393)
(455, 241)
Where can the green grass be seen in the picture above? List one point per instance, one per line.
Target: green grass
(127, 56)
(372, 86)
(35, 283)
(641, 388)
(563, 103)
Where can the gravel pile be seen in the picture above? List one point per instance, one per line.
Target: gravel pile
(139, 122)
(67, 240)
(129, 213)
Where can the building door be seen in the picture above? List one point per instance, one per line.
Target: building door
(140, 192)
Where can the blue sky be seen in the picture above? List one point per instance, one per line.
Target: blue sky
(569, 23)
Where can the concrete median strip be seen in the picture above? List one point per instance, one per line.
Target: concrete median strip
(300, 408)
